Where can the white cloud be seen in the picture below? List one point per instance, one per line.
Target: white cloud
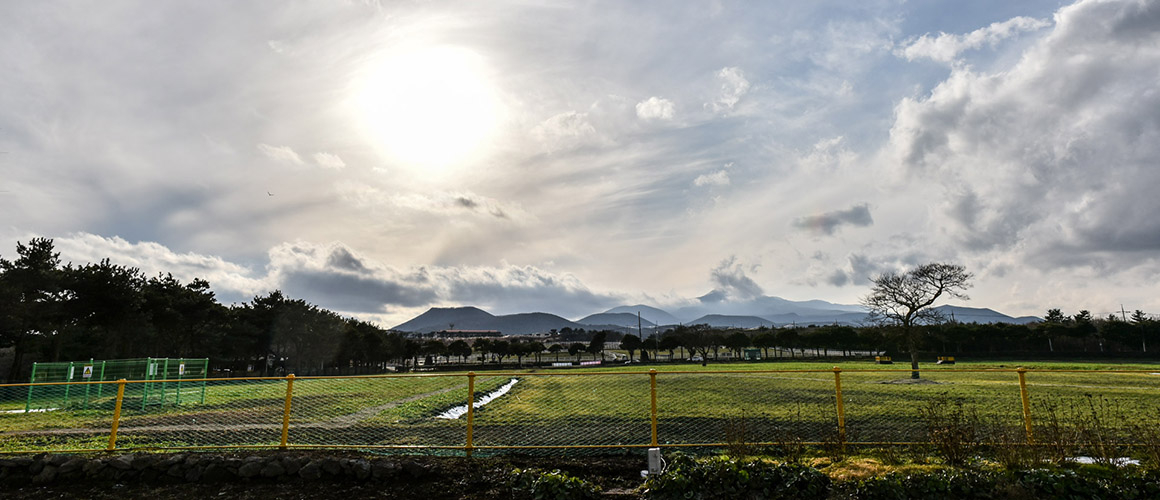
(328, 160)
(280, 153)
(655, 108)
(946, 47)
(718, 178)
(154, 258)
(564, 131)
(1053, 157)
(734, 86)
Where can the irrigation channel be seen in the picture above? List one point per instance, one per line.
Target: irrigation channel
(461, 410)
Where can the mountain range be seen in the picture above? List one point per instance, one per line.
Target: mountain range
(711, 310)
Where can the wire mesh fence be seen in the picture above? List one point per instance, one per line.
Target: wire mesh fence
(1067, 411)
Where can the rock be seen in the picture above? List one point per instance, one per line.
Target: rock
(215, 473)
(142, 461)
(59, 460)
(73, 465)
(193, 475)
(172, 460)
(291, 465)
(47, 475)
(332, 466)
(273, 469)
(312, 470)
(383, 469)
(175, 470)
(415, 469)
(92, 467)
(362, 469)
(123, 462)
(250, 468)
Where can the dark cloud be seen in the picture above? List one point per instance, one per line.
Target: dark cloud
(731, 279)
(829, 222)
(838, 278)
(522, 289)
(466, 202)
(353, 292)
(342, 258)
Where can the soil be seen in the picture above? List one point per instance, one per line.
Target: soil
(479, 478)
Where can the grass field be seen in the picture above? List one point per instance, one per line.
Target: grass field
(775, 402)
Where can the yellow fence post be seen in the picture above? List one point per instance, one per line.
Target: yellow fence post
(1026, 404)
(286, 411)
(841, 407)
(470, 412)
(652, 376)
(116, 415)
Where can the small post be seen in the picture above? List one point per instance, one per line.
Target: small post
(286, 411)
(101, 387)
(204, 375)
(180, 373)
(90, 378)
(841, 407)
(652, 379)
(116, 415)
(470, 413)
(1026, 404)
(68, 385)
(31, 380)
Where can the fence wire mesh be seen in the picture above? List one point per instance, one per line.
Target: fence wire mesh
(562, 410)
(1071, 413)
(745, 407)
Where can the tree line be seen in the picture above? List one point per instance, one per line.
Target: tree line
(51, 311)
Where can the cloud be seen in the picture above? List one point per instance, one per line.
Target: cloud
(328, 160)
(732, 282)
(733, 87)
(655, 108)
(1053, 157)
(564, 131)
(152, 258)
(280, 153)
(339, 278)
(946, 47)
(828, 223)
(718, 178)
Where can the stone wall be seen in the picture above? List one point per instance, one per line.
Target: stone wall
(169, 468)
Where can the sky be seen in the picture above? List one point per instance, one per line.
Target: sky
(381, 158)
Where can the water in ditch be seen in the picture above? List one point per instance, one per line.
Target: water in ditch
(461, 410)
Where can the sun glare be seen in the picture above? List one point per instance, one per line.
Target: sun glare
(429, 109)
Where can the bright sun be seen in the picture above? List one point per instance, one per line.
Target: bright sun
(430, 109)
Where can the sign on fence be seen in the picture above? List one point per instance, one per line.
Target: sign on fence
(88, 371)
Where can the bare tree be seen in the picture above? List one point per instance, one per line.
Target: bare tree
(906, 299)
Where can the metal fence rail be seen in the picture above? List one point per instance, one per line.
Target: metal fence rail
(563, 409)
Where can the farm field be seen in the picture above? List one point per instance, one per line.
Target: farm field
(774, 402)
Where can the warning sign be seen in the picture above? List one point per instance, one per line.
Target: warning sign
(88, 372)
(181, 369)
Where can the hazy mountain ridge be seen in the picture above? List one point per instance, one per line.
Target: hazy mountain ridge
(760, 311)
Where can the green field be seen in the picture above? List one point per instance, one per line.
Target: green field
(775, 402)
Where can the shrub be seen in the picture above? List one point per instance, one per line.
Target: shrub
(726, 478)
(550, 485)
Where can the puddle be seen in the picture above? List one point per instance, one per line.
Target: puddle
(34, 410)
(461, 410)
(1119, 462)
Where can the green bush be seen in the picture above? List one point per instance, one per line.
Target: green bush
(550, 485)
(728, 478)
(937, 485)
